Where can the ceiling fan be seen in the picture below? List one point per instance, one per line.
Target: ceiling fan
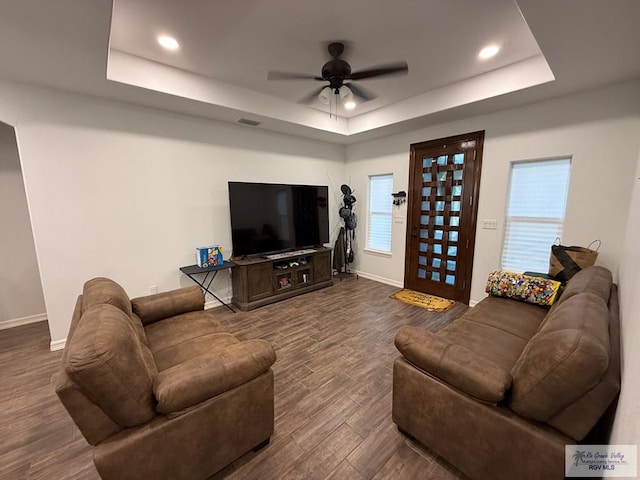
(338, 73)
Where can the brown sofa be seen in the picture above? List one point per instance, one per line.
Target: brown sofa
(500, 391)
(158, 388)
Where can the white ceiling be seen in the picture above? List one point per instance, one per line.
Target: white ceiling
(549, 48)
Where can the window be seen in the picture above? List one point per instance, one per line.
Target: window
(379, 213)
(535, 213)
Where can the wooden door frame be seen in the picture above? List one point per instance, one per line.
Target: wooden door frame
(414, 207)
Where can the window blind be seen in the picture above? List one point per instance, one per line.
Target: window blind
(535, 213)
(379, 213)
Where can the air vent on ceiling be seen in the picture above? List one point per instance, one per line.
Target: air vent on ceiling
(246, 121)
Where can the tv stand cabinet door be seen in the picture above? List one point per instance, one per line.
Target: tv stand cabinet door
(252, 282)
(322, 266)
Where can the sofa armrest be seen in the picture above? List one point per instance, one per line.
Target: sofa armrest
(453, 364)
(152, 308)
(205, 376)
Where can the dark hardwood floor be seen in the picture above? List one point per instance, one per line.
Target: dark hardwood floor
(333, 380)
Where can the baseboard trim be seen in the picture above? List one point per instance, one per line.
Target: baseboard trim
(473, 303)
(57, 344)
(214, 303)
(388, 281)
(17, 322)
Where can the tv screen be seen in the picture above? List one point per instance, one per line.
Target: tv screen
(268, 218)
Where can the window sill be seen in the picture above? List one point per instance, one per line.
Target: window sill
(378, 253)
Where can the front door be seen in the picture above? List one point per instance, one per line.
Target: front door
(444, 180)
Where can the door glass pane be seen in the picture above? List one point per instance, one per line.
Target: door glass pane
(454, 221)
(442, 176)
(456, 190)
(453, 236)
(424, 219)
(439, 220)
(440, 191)
(426, 206)
(457, 174)
(435, 263)
(455, 206)
(424, 233)
(458, 158)
(426, 177)
(451, 279)
(423, 247)
(442, 160)
(435, 276)
(426, 191)
(452, 251)
(437, 248)
(422, 260)
(426, 162)
(439, 206)
(438, 235)
(422, 273)
(451, 265)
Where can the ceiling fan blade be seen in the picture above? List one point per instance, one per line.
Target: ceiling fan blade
(360, 93)
(391, 69)
(275, 75)
(312, 96)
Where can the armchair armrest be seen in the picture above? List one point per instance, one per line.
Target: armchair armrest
(211, 374)
(152, 308)
(453, 364)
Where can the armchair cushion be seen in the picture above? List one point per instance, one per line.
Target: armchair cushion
(208, 375)
(104, 290)
(107, 361)
(453, 364)
(152, 308)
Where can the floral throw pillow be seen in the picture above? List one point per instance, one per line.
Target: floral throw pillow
(517, 286)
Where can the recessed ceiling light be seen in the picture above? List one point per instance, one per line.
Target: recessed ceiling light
(168, 42)
(350, 105)
(488, 51)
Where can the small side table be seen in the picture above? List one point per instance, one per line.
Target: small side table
(209, 274)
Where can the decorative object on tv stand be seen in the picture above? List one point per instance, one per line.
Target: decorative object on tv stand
(344, 248)
(209, 256)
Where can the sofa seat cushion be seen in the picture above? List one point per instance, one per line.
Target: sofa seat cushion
(108, 363)
(497, 329)
(564, 360)
(191, 348)
(177, 330)
(511, 316)
(455, 365)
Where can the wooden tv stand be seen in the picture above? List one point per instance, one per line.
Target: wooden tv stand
(260, 281)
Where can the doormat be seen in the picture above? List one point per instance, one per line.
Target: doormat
(424, 300)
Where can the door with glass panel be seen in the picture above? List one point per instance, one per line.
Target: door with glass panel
(444, 180)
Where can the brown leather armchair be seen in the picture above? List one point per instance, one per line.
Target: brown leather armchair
(158, 388)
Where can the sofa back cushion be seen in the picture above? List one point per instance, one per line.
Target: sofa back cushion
(107, 361)
(565, 359)
(594, 279)
(103, 290)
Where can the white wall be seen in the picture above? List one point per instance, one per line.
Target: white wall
(598, 128)
(626, 430)
(128, 193)
(20, 290)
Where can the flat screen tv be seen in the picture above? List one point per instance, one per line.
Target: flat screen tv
(269, 218)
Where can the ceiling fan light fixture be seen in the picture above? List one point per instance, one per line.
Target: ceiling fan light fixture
(168, 42)
(346, 97)
(325, 95)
